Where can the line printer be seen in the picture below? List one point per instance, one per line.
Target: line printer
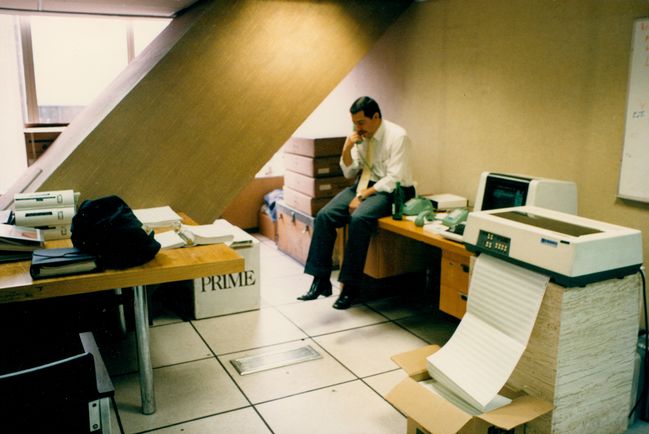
(572, 250)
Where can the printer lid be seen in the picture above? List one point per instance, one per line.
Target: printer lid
(544, 222)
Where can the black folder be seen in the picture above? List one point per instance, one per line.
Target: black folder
(60, 262)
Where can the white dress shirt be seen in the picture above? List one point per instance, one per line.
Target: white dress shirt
(391, 160)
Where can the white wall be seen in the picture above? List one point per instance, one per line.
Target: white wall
(12, 142)
(331, 118)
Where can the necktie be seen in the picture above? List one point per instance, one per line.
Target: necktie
(367, 168)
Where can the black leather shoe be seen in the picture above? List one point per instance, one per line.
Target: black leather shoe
(318, 287)
(347, 298)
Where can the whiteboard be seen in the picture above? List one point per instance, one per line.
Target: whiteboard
(634, 172)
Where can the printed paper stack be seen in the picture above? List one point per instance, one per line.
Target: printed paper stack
(472, 367)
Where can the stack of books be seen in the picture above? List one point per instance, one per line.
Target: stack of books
(161, 217)
(18, 242)
(49, 211)
(196, 235)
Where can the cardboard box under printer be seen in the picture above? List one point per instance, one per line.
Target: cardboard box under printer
(430, 413)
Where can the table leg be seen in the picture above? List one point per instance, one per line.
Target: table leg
(144, 354)
(121, 316)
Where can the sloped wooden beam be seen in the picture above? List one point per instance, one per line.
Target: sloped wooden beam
(231, 90)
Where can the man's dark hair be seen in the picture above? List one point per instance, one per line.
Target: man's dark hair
(367, 105)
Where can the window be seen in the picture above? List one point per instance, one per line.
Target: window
(67, 61)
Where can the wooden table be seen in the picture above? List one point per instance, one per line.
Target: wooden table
(172, 265)
(408, 229)
(454, 267)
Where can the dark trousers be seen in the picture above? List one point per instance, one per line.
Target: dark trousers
(362, 223)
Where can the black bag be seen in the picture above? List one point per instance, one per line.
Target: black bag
(107, 228)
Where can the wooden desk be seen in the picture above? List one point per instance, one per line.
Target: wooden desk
(16, 284)
(409, 229)
(454, 268)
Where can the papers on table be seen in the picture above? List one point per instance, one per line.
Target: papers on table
(477, 361)
(158, 217)
(193, 235)
(181, 235)
(169, 240)
(206, 234)
(240, 238)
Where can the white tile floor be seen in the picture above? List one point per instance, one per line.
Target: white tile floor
(198, 390)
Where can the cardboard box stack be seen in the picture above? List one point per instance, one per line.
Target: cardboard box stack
(50, 211)
(312, 177)
(313, 174)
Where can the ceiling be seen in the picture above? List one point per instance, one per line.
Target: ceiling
(147, 8)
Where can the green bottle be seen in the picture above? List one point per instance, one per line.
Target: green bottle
(397, 202)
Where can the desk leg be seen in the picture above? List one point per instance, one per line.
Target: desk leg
(144, 354)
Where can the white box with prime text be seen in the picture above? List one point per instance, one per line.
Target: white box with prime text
(231, 293)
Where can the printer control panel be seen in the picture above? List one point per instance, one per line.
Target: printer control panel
(490, 242)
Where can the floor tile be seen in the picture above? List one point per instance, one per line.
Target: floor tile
(400, 307)
(267, 250)
(367, 350)
(277, 265)
(169, 344)
(247, 330)
(176, 343)
(183, 392)
(383, 383)
(283, 290)
(433, 329)
(288, 380)
(244, 421)
(317, 317)
(349, 408)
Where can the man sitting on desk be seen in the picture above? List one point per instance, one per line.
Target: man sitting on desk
(380, 151)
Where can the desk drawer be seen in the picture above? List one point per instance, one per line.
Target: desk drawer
(454, 283)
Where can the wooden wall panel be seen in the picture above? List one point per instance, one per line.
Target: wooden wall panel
(194, 130)
(243, 211)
